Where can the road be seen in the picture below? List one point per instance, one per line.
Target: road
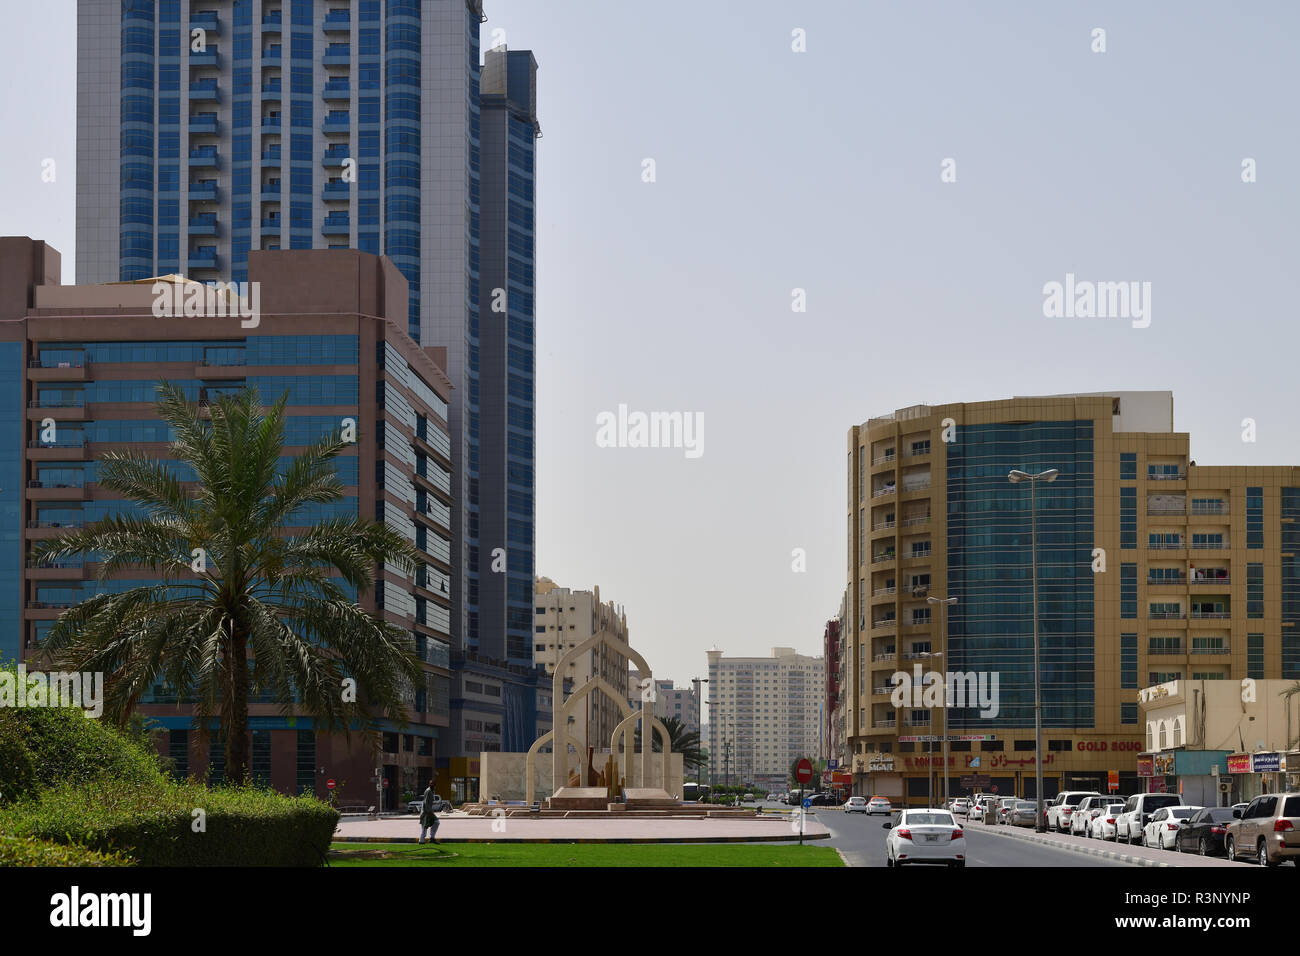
(861, 838)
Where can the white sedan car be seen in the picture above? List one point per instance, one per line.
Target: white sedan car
(1163, 826)
(879, 805)
(925, 836)
(1102, 826)
(856, 805)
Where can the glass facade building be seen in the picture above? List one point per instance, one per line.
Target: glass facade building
(1150, 568)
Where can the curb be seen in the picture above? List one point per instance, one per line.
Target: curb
(1087, 851)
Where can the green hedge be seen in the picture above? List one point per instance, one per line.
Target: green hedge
(153, 823)
(27, 851)
(47, 747)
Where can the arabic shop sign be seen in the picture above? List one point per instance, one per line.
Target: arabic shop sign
(1266, 763)
(1168, 689)
(880, 763)
(1146, 766)
(1238, 763)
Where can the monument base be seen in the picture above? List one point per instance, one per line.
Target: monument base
(579, 798)
(649, 798)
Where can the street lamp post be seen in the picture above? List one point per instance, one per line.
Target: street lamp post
(1015, 477)
(945, 603)
(699, 711)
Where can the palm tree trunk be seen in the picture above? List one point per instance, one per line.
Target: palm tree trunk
(235, 711)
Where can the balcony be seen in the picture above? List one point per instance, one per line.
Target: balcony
(1210, 615)
(204, 124)
(1165, 615)
(882, 556)
(1209, 507)
(909, 486)
(916, 522)
(338, 54)
(204, 191)
(271, 157)
(883, 490)
(1209, 545)
(1175, 579)
(884, 622)
(1166, 475)
(1199, 581)
(1175, 545)
(887, 457)
(271, 191)
(879, 591)
(271, 124)
(272, 227)
(1215, 648)
(883, 525)
(205, 225)
(209, 57)
(336, 191)
(919, 551)
(335, 157)
(335, 226)
(339, 121)
(884, 724)
(917, 721)
(885, 655)
(1166, 509)
(203, 257)
(205, 20)
(271, 55)
(205, 91)
(272, 22)
(205, 158)
(337, 91)
(272, 91)
(337, 21)
(1165, 650)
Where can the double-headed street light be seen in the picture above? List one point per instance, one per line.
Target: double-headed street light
(1015, 477)
(947, 603)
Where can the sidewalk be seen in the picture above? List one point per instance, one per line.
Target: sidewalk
(466, 829)
(1134, 855)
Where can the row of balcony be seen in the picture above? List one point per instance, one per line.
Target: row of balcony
(208, 157)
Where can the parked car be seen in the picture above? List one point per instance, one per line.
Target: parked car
(1005, 806)
(1022, 815)
(1137, 814)
(1102, 826)
(1205, 830)
(855, 805)
(1268, 831)
(879, 805)
(1062, 807)
(1088, 808)
(988, 806)
(413, 806)
(925, 836)
(959, 806)
(1163, 826)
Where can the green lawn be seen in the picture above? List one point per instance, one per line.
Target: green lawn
(580, 854)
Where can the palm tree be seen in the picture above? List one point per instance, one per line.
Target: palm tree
(244, 607)
(684, 741)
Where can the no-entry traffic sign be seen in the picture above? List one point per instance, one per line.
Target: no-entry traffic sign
(803, 770)
(330, 783)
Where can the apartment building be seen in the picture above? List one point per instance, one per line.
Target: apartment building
(82, 365)
(764, 714)
(1151, 568)
(564, 619)
(208, 129)
(682, 703)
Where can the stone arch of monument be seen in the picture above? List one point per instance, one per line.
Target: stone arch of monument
(647, 742)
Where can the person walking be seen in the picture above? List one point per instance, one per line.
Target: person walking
(428, 818)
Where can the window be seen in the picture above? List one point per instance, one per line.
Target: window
(1254, 517)
(1128, 518)
(1128, 591)
(1128, 466)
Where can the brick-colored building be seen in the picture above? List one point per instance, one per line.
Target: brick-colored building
(332, 333)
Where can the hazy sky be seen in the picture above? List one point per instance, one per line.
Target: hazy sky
(820, 170)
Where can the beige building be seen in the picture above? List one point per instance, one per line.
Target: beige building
(1152, 568)
(764, 714)
(565, 618)
(1219, 742)
(669, 700)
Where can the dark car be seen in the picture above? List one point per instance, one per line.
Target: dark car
(1204, 831)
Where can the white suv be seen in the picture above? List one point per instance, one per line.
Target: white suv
(1061, 809)
(1137, 814)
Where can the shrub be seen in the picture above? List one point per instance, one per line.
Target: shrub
(42, 747)
(153, 823)
(27, 851)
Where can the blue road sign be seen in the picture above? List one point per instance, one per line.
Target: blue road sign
(807, 802)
